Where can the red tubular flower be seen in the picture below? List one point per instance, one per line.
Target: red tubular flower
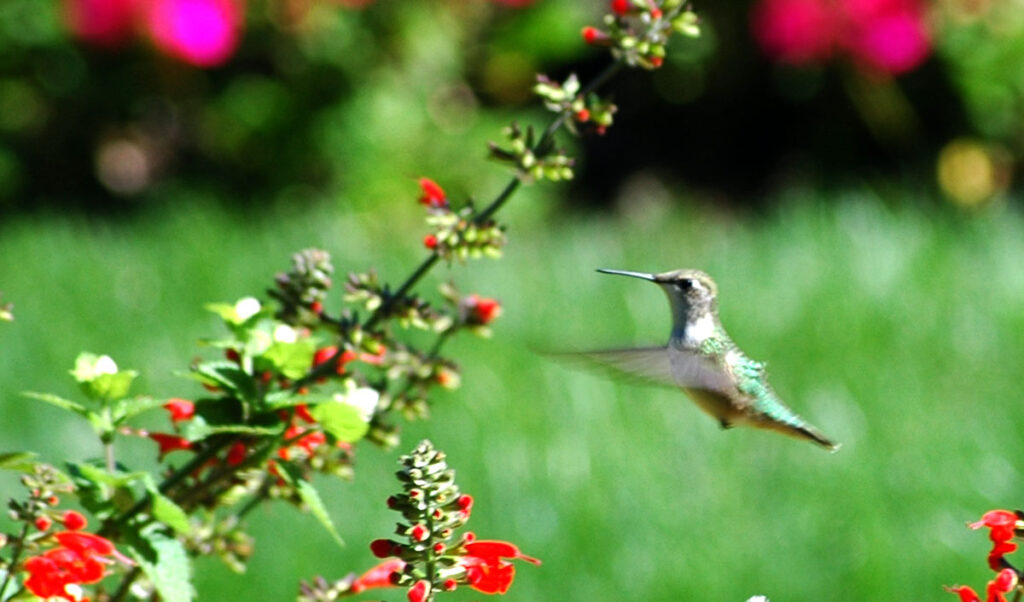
(78, 559)
(486, 570)
(43, 523)
(419, 591)
(433, 195)
(378, 576)
(169, 443)
(430, 241)
(383, 548)
(180, 409)
(1000, 522)
(1004, 583)
(966, 593)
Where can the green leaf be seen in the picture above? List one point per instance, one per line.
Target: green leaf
(293, 360)
(169, 513)
(60, 402)
(311, 498)
(237, 313)
(18, 461)
(198, 429)
(228, 376)
(165, 562)
(127, 408)
(345, 422)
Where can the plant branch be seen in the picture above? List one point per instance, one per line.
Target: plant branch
(14, 560)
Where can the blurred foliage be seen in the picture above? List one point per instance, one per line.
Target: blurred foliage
(347, 101)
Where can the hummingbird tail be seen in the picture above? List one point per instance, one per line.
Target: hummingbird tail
(814, 435)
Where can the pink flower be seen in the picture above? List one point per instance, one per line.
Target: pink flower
(107, 23)
(799, 32)
(887, 35)
(204, 33)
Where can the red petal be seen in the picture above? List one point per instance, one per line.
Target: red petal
(85, 543)
(966, 594)
(378, 576)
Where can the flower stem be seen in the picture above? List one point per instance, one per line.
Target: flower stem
(19, 547)
(126, 585)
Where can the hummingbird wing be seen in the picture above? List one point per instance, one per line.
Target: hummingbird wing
(645, 365)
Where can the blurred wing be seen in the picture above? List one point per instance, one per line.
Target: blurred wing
(645, 365)
(696, 371)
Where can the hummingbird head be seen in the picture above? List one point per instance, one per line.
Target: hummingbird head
(692, 293)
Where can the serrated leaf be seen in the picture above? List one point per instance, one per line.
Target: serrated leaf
(60, 402)
(18, 461)
(311, 498)
(343, 421)
(198, 429)
(165, 562)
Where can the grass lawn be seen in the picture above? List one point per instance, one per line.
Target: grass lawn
(896, 331)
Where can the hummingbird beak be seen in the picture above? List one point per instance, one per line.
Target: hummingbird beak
(641, 275)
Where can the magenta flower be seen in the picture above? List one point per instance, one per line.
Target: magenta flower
(798, 32)
(107, 23)
(204, 33)
(887, 35)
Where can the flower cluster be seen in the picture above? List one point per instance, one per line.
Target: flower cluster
(204, 33)
(637, 30)
(567, 98)
(457, 234)
(531, 159)
(61, 562)
(430, 557)
(887, 36)
(1004, 526)
(303, 289)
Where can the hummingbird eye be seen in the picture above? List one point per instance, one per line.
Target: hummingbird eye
(685, 284)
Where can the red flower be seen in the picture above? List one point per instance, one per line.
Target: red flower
(593, 35)
(236, 455)
(378, 576)
(621, 7)
(482, 310)
(486, 570)
(43, 523)
(307, 442)
(169, 443)
(996, 591)
(1000, 522)
(78, 559)
(433, 195)
(430, 241)
(74, 521)
(326, 353)
(180, 409)
(418, 592)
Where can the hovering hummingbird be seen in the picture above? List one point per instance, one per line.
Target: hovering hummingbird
(702, 360)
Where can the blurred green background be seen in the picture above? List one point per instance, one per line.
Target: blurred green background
(885, 297)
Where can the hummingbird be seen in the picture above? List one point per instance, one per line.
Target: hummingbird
(702, 360)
